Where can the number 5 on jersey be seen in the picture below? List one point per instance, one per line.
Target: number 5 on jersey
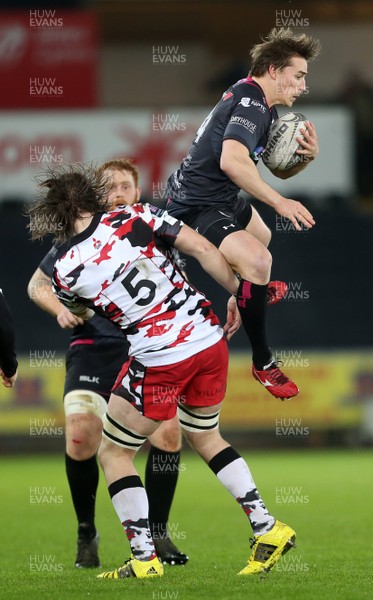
(134, 288)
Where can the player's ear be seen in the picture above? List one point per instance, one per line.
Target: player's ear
(272, 70)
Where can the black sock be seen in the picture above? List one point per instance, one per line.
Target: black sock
(252, 304)
(161, 473)
(82, 476)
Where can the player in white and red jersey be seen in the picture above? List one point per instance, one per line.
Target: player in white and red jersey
(95, 356)
(118, 252)
(116, 265)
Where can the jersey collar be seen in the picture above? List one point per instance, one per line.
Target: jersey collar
(83, 235)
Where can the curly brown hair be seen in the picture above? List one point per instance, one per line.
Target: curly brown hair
(65, 192)
(279, 47)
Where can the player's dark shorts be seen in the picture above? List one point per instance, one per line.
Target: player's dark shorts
(215, 222)
(199, 380)
(94, 366)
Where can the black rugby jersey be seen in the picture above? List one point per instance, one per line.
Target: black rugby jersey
(242, 114)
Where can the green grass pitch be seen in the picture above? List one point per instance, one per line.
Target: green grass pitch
(325, 495)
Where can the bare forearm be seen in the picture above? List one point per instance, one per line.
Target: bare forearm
(41, 293)
(214, 263)
(244, 174)
(210, 258)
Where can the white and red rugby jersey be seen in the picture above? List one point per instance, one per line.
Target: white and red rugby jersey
(119, 267)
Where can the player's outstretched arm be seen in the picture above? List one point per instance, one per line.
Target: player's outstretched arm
(238, 166)
(211, 260)
(40, 291)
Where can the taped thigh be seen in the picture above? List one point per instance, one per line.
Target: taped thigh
(195, 422)
(122, 436)
(84, 402)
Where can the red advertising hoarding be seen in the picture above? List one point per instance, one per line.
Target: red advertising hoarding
(48, 59)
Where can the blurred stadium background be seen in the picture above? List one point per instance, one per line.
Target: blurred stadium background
(89, 81)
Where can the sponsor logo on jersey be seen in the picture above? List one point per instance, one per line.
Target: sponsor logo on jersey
(89, 379)
(245, 102)
(249, 125)
(258, 105)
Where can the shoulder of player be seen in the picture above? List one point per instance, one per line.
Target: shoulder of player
(248, 95)
(58, 251)
(154, 210)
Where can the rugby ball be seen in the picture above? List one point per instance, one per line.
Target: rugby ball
(280, 150)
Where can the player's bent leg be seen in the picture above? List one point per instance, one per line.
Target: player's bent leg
(252, 299)
(271, 537)
(83, 410)
(256, 227)
(83, 435)
(124, 431)
(161, 475)
(247, 256)
(252, 261)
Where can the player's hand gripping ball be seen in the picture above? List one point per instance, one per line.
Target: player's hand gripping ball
(280, 152)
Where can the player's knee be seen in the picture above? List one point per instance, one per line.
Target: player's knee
(83, 435)
(259, 268)
(167, 437)
(263, 262)
(168, 444)
(172, 444)
(79, 448)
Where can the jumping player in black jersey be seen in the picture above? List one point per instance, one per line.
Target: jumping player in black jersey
(8, 357)
(96, 354)
(116, 265)
(222, 160)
